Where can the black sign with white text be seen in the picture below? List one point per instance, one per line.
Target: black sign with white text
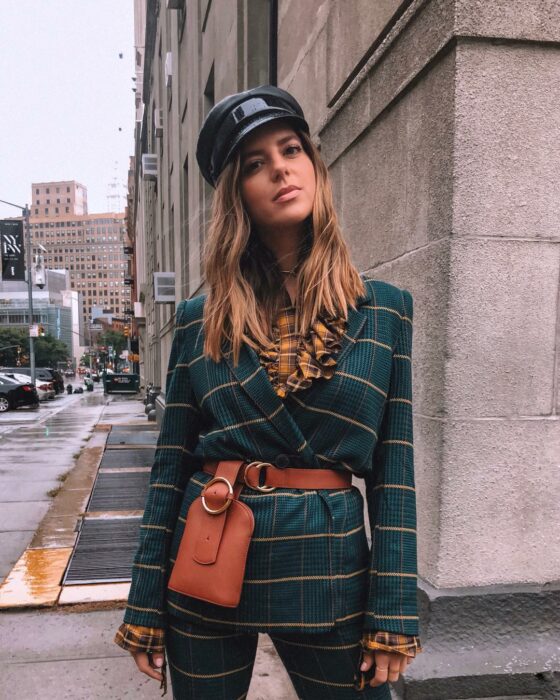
(11, 248)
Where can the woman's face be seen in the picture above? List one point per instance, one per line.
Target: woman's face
(273, 160)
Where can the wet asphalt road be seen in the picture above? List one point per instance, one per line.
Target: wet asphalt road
(36, 447)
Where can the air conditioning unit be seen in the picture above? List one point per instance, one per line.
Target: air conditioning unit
(149, 166)
(175, 4)
(139, 310)
(164, 287)
(140, 113)
(168, 68)
(158, 122)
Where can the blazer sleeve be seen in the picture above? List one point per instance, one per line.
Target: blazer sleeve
(391, 497)
(172, 468)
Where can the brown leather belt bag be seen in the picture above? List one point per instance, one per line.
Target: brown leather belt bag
(210, 563)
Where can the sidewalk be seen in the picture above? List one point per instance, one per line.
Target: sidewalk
(63, 601)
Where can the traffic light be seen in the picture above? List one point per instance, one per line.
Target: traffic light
(41, 329)
(126, 331)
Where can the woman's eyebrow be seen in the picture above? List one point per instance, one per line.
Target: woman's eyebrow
(258, 151)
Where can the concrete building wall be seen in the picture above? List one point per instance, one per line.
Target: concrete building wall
(205, 51)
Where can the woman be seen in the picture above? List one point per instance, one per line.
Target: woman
(296, 360)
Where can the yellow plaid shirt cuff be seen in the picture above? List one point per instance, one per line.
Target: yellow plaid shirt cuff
(390, 641)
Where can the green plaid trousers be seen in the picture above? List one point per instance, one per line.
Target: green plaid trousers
(309, 567)
(213, 664)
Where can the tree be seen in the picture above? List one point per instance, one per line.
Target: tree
(10, 340)
(48, 350)
(114, 338)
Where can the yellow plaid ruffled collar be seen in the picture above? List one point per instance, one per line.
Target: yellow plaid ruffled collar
(311, 356)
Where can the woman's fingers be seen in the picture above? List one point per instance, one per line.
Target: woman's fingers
(367, 661)
(394, 667)
(142, 660)
(381, 668)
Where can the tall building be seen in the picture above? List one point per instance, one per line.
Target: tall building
(89, 246)
(59, 198)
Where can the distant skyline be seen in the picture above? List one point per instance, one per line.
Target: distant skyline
(64, 95)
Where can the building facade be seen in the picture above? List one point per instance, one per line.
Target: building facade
(56, 307)
(58, 198)
(89, 246)
(438, 120)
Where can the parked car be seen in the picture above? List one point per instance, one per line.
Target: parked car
(15, 394)
(46, 374)
(45, 390)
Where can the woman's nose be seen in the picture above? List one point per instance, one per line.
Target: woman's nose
(279, 165)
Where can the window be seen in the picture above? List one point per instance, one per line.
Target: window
(56, 210)
(46, 210)
(67, 209)
(48, 201)
(36, 211)
(47, 190)
(37, 191)
(68, 189)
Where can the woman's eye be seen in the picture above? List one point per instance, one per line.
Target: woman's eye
(249, 167)
(293, 148)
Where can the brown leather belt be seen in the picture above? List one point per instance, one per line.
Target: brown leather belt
(289, 478)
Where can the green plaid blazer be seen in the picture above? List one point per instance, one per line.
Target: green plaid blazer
(309, 566)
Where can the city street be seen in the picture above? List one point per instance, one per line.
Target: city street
(74, 657)
(37, 446)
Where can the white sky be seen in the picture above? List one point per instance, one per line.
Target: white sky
(64, 93)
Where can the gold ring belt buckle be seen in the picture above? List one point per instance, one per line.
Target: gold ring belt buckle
(259, 466)
(228, 500)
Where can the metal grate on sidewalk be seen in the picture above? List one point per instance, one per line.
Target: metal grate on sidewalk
(149, 427)
(104, 551)
(128, 458)
(121, 437)
(114, 491)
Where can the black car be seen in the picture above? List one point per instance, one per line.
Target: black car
(14, 394)
(47, 374)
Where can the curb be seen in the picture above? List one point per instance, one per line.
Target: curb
(34, 581)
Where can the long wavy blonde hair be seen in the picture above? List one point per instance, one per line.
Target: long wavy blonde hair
(244, 278)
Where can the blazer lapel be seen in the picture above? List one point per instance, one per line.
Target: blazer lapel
(356, 320)
(253, 379)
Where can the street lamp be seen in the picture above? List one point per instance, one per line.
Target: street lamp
(25, 215)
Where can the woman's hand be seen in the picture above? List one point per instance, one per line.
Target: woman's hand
(388, 665)
(148, 663)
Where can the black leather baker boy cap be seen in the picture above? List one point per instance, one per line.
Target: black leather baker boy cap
(233, 117)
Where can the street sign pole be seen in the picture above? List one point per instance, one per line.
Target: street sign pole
(26, 213)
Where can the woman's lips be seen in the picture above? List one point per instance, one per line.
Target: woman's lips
(289, 195)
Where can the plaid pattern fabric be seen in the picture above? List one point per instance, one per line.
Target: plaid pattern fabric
(309, 567)
(408, 645)
(148, 639)
(139, 638)
(295, 361)
(218, 664)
